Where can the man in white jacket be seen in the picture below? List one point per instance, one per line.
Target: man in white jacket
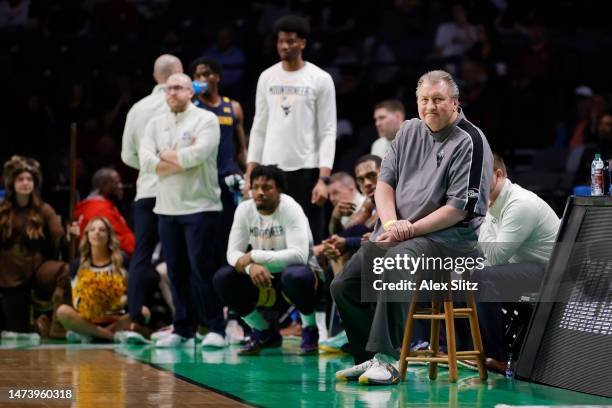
(279, 266)
(295, 122)
(142, 275)
(181, 147)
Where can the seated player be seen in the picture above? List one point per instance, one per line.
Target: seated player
(99, 287)
(270, 262)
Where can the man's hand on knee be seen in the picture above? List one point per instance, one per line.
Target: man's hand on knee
(261, 277)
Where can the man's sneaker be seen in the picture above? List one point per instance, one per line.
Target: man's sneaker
(130, 337)
(213, 339)
(353, 373)
(74, 337)
(175, 341)
(310, 340)
(336, 344)
(144, 331)
(234, 333)
(261, 339)
(380, 373)
(201, 332)
(160, 334)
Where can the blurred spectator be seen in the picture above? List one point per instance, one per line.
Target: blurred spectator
(231, 58)
(106, 191)
(581, 130)
(455, 37)
(39, 124)
(14, 13)
(590, 108)
(119, 103)
(31, 237)
(604, 131)
(270, 13)
(536, 61)
(602, 145)
(388, 117)
(117, 18)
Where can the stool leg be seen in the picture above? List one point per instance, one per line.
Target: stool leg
(405, 351)
(451, 344)
(476, 338)
(434, 339)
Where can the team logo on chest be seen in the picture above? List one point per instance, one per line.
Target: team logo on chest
(287, 94)
(286, 106)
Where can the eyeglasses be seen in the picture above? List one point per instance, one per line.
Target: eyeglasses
(177, 88)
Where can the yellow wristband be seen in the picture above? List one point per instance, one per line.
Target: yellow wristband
(389, 223)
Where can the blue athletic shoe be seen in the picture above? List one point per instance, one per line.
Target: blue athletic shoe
(310, 340)
(261, 339)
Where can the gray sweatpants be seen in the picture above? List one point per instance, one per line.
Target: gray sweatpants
(378, 327)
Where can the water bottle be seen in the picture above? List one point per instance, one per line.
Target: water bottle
(199, 87)
(509, 367)
(597, 170)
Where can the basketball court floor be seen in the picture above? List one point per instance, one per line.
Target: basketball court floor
(108, 375)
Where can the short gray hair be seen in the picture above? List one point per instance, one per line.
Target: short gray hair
(184, 78)
(166, 65)
(437, 76)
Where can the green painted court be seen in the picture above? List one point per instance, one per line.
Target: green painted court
(108, 375)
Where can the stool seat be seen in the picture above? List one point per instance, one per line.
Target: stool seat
(433, 355)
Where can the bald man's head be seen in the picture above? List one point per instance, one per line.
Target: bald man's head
(166, 65)
(179, 92)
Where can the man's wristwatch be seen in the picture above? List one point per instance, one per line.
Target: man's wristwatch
(325, 179)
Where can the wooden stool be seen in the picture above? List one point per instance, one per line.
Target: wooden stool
(432, 355)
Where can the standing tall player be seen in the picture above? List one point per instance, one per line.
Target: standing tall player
(295, 122)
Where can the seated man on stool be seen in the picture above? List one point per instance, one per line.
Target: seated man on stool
(517, 238)
(277, 267)
(431, 197)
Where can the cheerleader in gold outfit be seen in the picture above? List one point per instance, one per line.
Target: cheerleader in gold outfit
(99, 285)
